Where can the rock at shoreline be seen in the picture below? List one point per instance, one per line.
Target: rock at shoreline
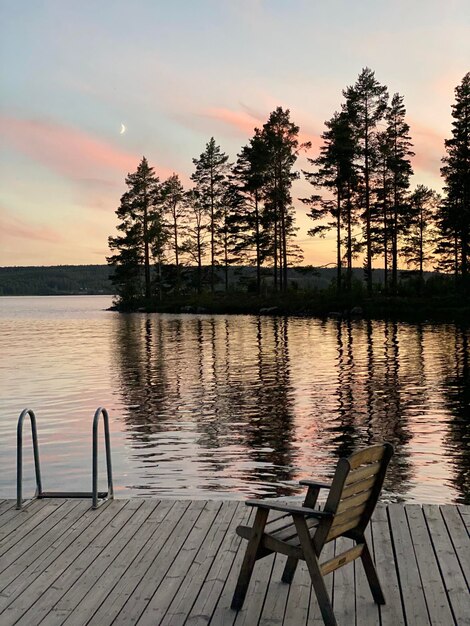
(269, 310)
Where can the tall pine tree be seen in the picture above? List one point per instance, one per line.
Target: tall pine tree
(175, 212)
(210, 177)
(335, 173)
(366, 103)
(280, 136)
(139, 216)
(455, 217)
(400, 153)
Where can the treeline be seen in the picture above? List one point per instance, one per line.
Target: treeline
(56, 280)
(171, 239)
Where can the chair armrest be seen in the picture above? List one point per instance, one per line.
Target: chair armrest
(314, 483)
(285, 508)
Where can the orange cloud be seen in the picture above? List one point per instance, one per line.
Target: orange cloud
(12, 226)
(69, 151)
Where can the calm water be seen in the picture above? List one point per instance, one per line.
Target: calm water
(231, 406)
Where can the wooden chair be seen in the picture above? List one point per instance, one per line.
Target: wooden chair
(302, 531)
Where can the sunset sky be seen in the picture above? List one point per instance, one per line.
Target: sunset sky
(177, 72)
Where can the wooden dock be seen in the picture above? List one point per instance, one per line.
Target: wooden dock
(176, 562)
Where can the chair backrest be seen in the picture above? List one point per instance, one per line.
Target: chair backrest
(354, 492)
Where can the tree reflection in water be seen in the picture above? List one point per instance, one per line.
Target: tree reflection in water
(249, 405)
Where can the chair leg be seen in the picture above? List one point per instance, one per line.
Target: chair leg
(318, 582)
(371, 574)
(289, 570)
(249, 560)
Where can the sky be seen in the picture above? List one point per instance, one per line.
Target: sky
(176, 73)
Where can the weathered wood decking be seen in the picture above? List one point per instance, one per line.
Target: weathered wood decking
(176, 562)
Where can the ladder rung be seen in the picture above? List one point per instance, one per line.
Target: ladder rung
(71, 494)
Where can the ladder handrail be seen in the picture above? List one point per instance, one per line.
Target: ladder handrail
(94, 494)
(101, 411)
(19, 456)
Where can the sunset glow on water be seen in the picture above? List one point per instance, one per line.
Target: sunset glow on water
(231, 406)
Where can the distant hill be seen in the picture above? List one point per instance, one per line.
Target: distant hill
(60, 280)
(57, 280)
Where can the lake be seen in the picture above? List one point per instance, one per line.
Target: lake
(206, 406)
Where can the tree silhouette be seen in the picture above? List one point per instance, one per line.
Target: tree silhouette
(210, 178)
(336, 174)
(366, 103)
(456, 173)
(140, 221)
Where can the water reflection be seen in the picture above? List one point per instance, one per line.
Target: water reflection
(248, 405)
(457, 399)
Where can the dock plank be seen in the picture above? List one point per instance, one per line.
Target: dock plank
(298, 601)
(449, 565)
(367, 611)
(464, 511)
(204, 529)
(276, 597)
(6, 505)
(253, 606)
(408, 573)
(79, 565)
(19, 576)
(90, 576)
(459, 537)
(144, 591)
(344, 594)
(194, 577)
(176, 563)
(167, 517)
(391, 614)
(12, 520)
(434, 590)
(204, 606)
(12, 550)
(42, 588)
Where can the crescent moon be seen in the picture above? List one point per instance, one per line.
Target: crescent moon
(123, 129)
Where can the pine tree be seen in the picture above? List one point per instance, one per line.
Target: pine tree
(195, 244)
(366, 103)
(382, 210)
(455, 217)
(335, 173)
(138, 215)
(420, 237)
(400, 168)
(280, 136)
(249, 239)
(175, 212)
(210, 178)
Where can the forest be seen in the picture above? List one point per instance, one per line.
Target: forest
(173, 241)
(55, 280)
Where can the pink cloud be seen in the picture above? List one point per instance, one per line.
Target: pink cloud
(69, 151)
(245, 122)
(428, 146)
(242, 121)
(12, 226)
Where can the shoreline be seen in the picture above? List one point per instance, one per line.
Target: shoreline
(450, 309)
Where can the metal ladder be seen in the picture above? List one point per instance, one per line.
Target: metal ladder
(98, 497)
